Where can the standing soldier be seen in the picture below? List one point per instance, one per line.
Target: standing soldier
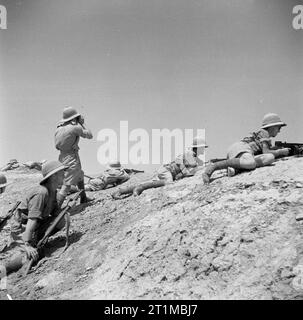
(67, 136)
(3, 183)
(253, 151)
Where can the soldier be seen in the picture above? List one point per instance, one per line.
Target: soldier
(253, 151)
(3, 183)
(34, 215)
(11, 165)
(67, 136)
(34, 164)
(113, 175)
(185, 165)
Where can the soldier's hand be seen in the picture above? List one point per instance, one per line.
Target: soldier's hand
(286, 151)
(81, 120)
(31, 252)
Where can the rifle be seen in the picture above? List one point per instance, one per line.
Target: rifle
(217, 160)
(296, 149)
(9, 215)
(127, 170)
(70, 203)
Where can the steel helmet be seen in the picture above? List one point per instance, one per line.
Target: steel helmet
(3, 181)
(70, 113)
(114, 164)
(199, 142)
(270, 120)
(49, 168)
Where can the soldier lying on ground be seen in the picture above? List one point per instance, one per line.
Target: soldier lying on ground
(67, 136)
(11, 165)
(37, 211)
(112, 176)
(253, 151)
(34, 164)
(3, 183)
(185, 165)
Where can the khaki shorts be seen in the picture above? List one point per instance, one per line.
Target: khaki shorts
(73, 174)
(237, 149)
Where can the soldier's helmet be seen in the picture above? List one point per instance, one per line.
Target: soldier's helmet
(49, 168)
(13, 161)
(3, 181)
(199, 142)
(69, 113)
(271, 120)
(114, 164)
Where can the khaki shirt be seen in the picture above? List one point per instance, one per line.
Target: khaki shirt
(186, 164)
(39, 204)
(67, 136)
(256, 141)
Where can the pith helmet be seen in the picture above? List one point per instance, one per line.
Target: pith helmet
(49, 168)
(199, 142)
(114, 164)
(69, 113)
(272, 119)
(3, 181)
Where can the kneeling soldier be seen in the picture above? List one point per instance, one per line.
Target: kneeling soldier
(253, 151)
(37, 211)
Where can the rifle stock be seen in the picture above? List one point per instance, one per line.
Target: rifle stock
(127, 170)
(71, 202)
(217, 160)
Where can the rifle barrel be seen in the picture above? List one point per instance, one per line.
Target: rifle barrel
(10, 213)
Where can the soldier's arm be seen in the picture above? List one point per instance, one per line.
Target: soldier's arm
(84, 132)
(35, 208)
(181, 161)
(277, 153)
(31, 226)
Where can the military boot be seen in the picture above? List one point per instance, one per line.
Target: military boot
(83, 197)
(224, 164)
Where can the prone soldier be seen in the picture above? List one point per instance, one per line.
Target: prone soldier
(253, 151)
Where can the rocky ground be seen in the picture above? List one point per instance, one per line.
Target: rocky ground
(237, 238)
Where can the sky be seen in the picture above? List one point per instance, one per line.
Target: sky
(219, 65)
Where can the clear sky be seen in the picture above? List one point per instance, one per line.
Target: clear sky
(213, 64)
